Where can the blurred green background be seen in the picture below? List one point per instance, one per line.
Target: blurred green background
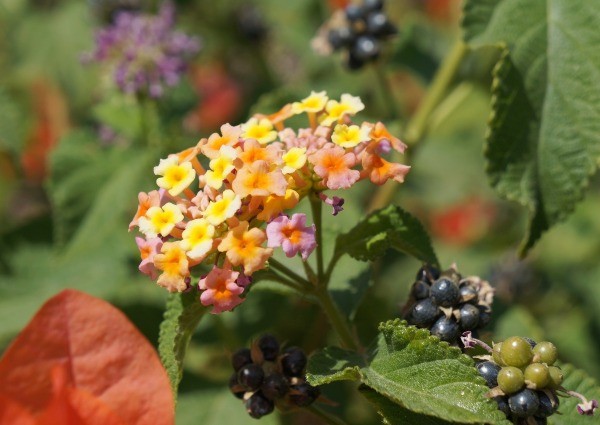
(67, 195)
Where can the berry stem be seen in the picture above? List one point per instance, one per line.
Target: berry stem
(326, 417)
(337, 319)
(386, 91)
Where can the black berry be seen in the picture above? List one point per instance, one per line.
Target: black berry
(524, 403)
(548, 404)
(469, 317)
(251, 376)
(274, 386)
(445, 329)
(420, 290)
(502, 404)
(366, 48)
(303, 394)
(373, 5)
(234, 386)
(428, 273)
(241, 358)
(444, 292)
(468, 294)
(379, 25)
(258, 405)
(269, 346)
(355, 12)
(489, 372)
(485, 316)
(424, 313)
(293, 362)
(340, 37)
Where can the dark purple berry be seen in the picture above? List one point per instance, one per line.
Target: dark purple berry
(303, 394)
(502, 402)
(241, 358)
(469, 317)
(235, 387)
(423, 313)
(489, 372)
(468, 294)
(293, 362)
(340, 37)
(353, 63)
(258, 405)
(428, 273)
(524, 403)
(269, 346)
(548, 404)
(366, 48)
(274, 386)
(354, 12)
(445, 329)
(485, 315)
(379, 25)
(420, 290)
(540, 421)
(444, 292)
(373, 5)
(251, 376)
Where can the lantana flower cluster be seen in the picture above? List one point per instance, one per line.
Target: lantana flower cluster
(143, 52)
(226, 201)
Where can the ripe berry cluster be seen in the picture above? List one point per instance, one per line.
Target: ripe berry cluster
(523, 380)
(265, 377)
(448, 304)
(361, 33)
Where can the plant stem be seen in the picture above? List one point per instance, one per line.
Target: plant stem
(386, 91)
(326, 417)
(417, 127)
(286, 282)
(302, 282)
(317, 208)
(338, 321)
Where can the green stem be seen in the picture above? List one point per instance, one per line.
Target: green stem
(310, 273)
(338, 321)
(386, 91)
(302, 282)
(287, 282)
(317, 208)
(326, 417)
(417, 127)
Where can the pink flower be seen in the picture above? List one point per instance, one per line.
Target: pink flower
(292, 235)
(148, 249)
(220, 290)
(334, 166)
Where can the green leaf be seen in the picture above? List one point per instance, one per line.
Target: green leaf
(12, 124)
(543, 142)
(334, 364)
(575, 380)
(182, 315)
(348, 292)
(389, 227)
(121, 113)
(394, 414)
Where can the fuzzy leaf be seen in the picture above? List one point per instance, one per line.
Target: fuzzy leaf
(389, 227)
(575, 380)
(543, 142)
(182, 315)
(334, 364)
(394, 414)
(80, 356)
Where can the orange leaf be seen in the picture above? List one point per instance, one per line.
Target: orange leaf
(81, 358)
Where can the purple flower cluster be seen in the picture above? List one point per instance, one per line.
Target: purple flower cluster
(143, 52)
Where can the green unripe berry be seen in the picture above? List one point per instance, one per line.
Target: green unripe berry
(515, 351)
(510, 379)
(538, 374)
(546, 351)
(556, 377)
(496, 354)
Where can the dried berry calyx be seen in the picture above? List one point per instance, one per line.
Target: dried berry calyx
(448, 304)
(266, 377)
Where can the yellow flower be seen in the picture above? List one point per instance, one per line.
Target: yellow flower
(176, 177)
(197, 238)
(243, 247)
(261, 131)
(315, 102)
(160, 220)
(350, 136)
(221, 167)
(294, 159)
(348, 105)
(174, 265)
(273, 205)
(226, 207)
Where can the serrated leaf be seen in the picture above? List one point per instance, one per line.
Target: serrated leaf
(394, 414)
(389, 227)
(182, 315)
(334, 364)
(575, 380)
(544, 134)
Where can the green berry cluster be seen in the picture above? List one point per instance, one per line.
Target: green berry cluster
(523, 379)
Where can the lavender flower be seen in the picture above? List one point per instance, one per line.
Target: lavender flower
(143, 52)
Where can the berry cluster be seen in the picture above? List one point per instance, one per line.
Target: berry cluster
(523, 379)
(448, 304)
(264, 377)
(361, 32)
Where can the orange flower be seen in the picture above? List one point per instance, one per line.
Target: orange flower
(243, 247)
(258, 180)
(174, 264)
(379, 170)
(229, 136)
(146, 201)
(334, 166)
